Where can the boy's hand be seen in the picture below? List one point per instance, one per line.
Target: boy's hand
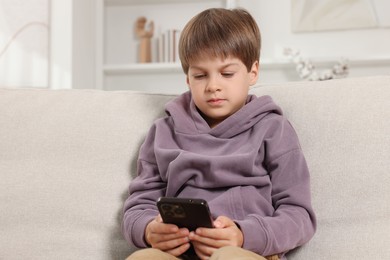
(167, 237)
(207, 240)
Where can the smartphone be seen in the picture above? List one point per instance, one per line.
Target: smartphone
(185, 212)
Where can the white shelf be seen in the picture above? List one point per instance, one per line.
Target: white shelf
(152, 2)
(117, 69)
(116, 49)
(153, 68)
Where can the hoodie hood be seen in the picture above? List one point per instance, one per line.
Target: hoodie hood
(187, 119)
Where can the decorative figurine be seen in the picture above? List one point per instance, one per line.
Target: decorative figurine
(307, 70)
(145, 49)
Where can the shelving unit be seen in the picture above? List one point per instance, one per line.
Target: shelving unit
(117, 64)
(146, 68)
(116, 45)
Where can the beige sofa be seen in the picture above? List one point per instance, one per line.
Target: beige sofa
(67, 157)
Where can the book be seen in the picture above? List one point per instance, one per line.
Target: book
(168, 46)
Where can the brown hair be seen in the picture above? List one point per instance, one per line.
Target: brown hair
(219, 32)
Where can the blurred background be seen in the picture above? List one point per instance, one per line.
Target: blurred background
(64, 44)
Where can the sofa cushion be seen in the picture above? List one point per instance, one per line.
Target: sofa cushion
(67, 157)
(344, 129)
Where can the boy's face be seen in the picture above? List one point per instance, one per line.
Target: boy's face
(220, 87)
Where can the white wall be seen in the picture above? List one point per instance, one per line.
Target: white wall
(73, 42)
(61, 44)
(24, 43)
(84, 44)
(367, 50)
(274, 18)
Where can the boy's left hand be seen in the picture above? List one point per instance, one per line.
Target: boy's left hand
(207, 240)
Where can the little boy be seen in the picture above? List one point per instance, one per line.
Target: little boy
(217, 143)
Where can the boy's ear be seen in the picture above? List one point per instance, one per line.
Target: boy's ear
(187, 80)
(254, 73)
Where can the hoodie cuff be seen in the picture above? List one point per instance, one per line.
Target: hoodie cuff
(255, 238)
(138, 230)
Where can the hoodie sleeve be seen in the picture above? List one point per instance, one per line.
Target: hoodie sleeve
(140, 207)
(293, 222)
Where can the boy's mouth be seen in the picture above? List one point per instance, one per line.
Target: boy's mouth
(215, 101)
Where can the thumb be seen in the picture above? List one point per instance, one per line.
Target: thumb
(222, 222)
(159, 219)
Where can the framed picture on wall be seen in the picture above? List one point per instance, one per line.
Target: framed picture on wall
(324, 15)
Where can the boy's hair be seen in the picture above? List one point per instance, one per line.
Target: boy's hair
(223, 33)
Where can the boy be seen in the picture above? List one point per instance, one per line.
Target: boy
(220, 144)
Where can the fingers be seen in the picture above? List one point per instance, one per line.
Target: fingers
(206, 242)
(223, 222)
(177, 251)
(203, 251)
(167, 237)
(211, 238)
(169, 240)
(205, 245)
(225, 233)
(174, 247)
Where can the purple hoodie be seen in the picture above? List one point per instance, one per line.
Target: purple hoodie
(249, 168)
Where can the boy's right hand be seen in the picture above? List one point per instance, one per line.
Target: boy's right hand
(167, 237)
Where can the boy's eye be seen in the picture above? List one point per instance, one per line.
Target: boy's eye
(227, 74)
(199, 76)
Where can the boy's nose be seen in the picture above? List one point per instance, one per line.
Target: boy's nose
(213, 84)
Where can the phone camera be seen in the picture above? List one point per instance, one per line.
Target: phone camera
(166, 207)
(179, 211)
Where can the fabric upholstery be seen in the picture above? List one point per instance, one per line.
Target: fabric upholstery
(67, 157)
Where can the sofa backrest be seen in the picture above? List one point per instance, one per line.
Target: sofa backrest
(67, 157)
(344, 129)
(66, 160)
